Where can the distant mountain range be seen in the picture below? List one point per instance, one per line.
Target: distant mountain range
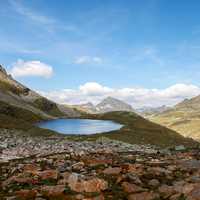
(183, 117)
(108, 104)
(148, 111)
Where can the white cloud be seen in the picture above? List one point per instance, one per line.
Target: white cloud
(31, 68)
(137, 97)
(94, 89)
(88, 60)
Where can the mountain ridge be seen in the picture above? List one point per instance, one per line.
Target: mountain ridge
(21, 108)
(148, 111)
(184, 118)
(108, 104)
(16, 98)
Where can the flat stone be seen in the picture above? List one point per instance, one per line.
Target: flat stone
(91, 185)
(95, 185)
(131, 188)
(194, 194)
(180, 148)
(166, 191)
(31, 168)
(74, 183)
(112, 171)
(190, 164)
(26, 194)
(143, 196)
(48, 174)
(53, 191)
(154, 183)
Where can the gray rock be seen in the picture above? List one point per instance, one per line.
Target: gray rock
(180, 148)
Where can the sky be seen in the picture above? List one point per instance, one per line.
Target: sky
(145, 52)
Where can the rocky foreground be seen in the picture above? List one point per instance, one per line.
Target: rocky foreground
(58, 169)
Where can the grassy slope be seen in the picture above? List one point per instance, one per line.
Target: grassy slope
(184, 122)
(5, 86)
(12, 117)
(42, 103)
(183, 118)
(138, 130)
(47, 106)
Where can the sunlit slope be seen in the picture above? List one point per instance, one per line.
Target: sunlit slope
(18, 95)
(183, 118)
(138, 130)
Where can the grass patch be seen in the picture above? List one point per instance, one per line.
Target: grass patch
(13, 117)
(47, 106)
(5, 86)
(137, 130)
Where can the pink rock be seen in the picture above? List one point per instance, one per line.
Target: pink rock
(48, 174)
(54, 191)
(112, 171)
(26, 194)
(166, 191)
(131, 188)
(194, 194)
(143, 196)
(95, 185)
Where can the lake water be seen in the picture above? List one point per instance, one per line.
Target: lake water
(80, 126)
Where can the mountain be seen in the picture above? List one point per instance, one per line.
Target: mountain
(148, 111)
(87, 107)
(138, 130)
(111, 104)
(183, 118)
(108, 104)
(21, 108)
(18, 102)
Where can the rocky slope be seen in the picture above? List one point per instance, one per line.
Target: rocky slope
(18, 102)
(108, 104)
(103, 171)
(184, 118)
(111, 104)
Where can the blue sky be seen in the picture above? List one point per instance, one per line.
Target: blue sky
(115, 43)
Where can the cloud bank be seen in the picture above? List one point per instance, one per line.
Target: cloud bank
(137, 97)
(31, 68)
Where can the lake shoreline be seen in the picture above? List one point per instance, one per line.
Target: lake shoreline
(79, 126)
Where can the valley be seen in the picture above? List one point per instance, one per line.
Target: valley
(99, 100)
(37, 163)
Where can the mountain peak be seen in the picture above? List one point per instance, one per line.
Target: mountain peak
(110, 98)
(110, 104)
(2, 70)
